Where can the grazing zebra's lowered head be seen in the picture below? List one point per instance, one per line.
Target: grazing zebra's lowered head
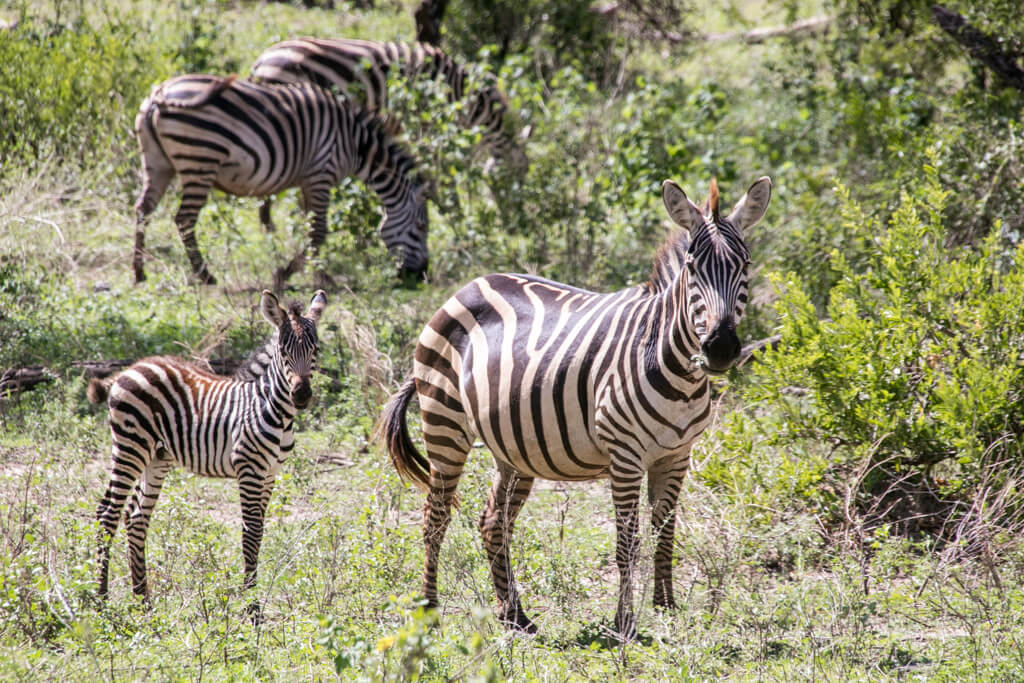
(711, 267)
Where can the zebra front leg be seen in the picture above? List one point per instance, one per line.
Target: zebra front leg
(664, 480)
(194, 191)
(140, 511)
(254, 490)
(626, 478)
(123, 476)
(315, 201)
(509, 492)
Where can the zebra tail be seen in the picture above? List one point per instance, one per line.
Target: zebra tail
(98, 389)
(393, 431)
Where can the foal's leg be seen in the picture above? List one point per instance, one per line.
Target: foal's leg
(125, 472)
(137, 521)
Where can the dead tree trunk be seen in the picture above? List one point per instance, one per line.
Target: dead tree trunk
(428, 21)
(981, 46)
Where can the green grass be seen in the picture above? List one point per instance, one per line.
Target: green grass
(771, 585)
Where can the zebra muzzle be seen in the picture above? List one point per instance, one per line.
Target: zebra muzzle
(721, 348)
(302, 393)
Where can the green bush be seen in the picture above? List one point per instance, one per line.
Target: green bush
(916, 374)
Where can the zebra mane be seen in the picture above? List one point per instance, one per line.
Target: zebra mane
(255, 366)
(669, 260)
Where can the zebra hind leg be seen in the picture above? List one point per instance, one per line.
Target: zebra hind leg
(266, 219)
(137, 517)
(155, 179)
(437, 513)
(125, 473)
(508, 493)
(194, 191)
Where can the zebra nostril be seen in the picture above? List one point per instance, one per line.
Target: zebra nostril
(302, 393)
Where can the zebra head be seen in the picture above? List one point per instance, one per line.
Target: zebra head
(404, 229)
(715, 272)
(297, 343)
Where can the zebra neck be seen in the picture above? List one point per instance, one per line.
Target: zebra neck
(379, 162)
(275, 390)
(678, 342)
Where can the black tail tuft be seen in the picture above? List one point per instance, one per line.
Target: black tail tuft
(393, 432)
(98, 390)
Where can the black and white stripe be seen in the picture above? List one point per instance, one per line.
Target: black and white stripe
(251, 139)
(166, 412)
(360, 69)
(566, 384)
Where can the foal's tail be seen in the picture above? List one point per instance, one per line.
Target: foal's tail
(393, 432)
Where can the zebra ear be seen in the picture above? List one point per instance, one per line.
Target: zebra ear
(684, 212)
(751, 207)
(271, 309)
(317, 305)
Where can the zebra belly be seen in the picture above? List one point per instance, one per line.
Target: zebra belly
(207, 452)
(537, 437)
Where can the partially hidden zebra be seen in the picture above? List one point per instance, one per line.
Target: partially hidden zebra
(342, 63)
(252, 139)
(566, 384)
(167, 412)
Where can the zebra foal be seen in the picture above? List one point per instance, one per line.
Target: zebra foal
(166, 412)
(249, 139)
(566, 384)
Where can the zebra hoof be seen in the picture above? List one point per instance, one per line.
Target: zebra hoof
(255, 614)
(664, 602)
(205, 278)
(516, 620)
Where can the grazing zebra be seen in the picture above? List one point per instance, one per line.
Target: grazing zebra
(251, 139)
(566, 384)
(165, 412)
(340, 63)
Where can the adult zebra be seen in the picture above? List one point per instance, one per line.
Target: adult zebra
(165, 412)
(342, 63)
(561, 383)
(251, 139)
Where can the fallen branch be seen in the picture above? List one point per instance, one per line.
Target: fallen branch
(805, 28)
(747, 353)
(16, 380)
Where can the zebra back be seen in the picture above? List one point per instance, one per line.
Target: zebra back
(343, 63)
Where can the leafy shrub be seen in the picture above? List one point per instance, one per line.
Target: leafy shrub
(70, 90)
(916, 374)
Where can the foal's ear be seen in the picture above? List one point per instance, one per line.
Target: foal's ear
(271, 309)
(751, 207)
(684, 212)
(317, 306)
